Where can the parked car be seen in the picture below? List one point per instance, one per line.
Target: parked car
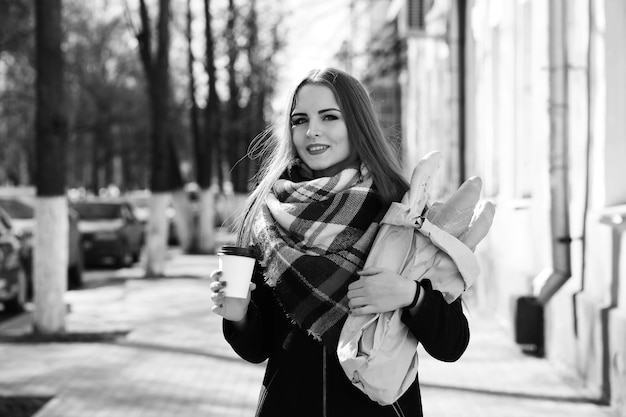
(22, 214)
(110, 231)
(13, 281)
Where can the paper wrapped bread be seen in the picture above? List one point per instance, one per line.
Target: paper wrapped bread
(410, 244)
(376, 351)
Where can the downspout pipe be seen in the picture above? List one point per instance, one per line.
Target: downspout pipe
(549, 281)
(462, 16)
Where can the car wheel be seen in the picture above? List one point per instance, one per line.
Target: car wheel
(125, 257)
(75, 276)
(18, 303)
(137, 253)
(28, 270)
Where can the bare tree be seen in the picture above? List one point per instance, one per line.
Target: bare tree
(15, 24)
(165, 174)
(262, 42)
(212, 109)
(51, 212)
(194, 114)
(17, 95)
(108, 107)
(233, 129)
(256, 102)
(205, 145)
(194, 118)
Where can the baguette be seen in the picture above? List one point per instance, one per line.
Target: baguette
(480, 224)
(392, 245)
(421, 181)
(455, 214)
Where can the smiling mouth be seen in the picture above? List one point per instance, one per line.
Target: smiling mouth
(316, 149)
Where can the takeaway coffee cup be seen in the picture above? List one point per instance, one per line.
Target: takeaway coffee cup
(237, 265)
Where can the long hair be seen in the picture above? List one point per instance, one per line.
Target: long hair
(275, 147)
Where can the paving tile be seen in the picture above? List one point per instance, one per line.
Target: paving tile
(175, 362)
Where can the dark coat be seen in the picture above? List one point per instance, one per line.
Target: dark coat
(302, 378)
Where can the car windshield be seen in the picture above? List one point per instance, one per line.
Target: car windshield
(16, 209)
(97, 211)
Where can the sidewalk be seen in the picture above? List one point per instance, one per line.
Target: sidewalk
(173, 361)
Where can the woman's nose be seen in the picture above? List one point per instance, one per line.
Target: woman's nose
(313, 130)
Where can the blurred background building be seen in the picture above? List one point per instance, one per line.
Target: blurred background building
(529, 95)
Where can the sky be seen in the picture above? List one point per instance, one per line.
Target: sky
(315, 30)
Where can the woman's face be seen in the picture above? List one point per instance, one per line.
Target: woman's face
(318, 129)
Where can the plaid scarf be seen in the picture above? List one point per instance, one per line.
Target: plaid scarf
(313, 236)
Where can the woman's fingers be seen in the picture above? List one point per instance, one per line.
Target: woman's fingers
(218, 298)
(217, 292)
(359, 292)
(377, 290)
(215, 275)
(372, 270)
(359, 311)
(223, 305)
(365, 285)
(217, 286)
(217, 295)
(357, 302)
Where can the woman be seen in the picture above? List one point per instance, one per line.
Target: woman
(326, 183)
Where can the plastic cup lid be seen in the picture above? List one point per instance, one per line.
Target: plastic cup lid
(238, 251)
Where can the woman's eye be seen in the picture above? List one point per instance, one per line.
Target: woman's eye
(298, 121)
(330, 117)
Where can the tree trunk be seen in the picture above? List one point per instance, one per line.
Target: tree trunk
(206, 161)
(204, 147)
(50, 263)
(163, 160)
(183, 219)
(232, 129)
(51, 213)
(193, 111)
(156, 236)
(255, 102)
(206, 220)
(193, 243)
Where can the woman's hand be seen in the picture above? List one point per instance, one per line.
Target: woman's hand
(379, 290)
(233, 309)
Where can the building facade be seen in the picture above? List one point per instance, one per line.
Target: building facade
(531, 96)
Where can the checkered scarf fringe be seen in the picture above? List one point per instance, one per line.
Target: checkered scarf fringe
(313, 236)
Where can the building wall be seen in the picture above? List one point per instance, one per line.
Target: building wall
(376, 59)
(511, 119)
(508, 133)
(430, 124)
(585, 319)
(604, 274)
(508, 144)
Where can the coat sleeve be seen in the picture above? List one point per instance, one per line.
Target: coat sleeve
(440, 327)
(253, 342)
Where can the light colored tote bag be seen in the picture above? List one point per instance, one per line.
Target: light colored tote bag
(377, 351)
